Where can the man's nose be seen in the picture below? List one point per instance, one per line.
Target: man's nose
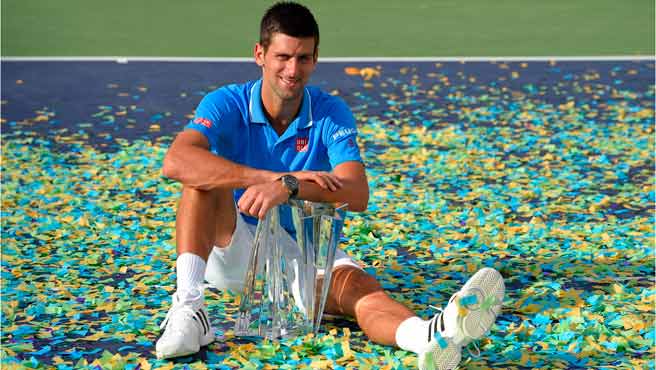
(292, 67)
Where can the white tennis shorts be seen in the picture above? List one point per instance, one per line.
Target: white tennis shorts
(226, 267)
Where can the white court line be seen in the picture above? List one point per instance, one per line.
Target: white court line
(119, 59)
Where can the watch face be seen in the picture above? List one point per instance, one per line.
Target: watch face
(291, 183)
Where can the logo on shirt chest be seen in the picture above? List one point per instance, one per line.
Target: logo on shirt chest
(301, 144)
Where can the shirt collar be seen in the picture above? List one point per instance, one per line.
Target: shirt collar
(256, 110)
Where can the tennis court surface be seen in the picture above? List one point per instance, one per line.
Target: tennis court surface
(543, 170)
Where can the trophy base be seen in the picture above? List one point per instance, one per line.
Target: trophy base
(245, 327)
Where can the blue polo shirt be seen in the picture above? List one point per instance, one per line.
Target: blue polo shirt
(322, 135)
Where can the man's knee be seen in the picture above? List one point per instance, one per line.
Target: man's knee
(354, 279)
(349, 285)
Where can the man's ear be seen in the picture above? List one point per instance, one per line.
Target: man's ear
(258, 52)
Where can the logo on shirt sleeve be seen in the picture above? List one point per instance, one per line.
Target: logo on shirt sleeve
(301, 144)
(203, 121)
(344, 132)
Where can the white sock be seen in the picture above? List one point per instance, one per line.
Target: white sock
(412, 334)
(190, 270)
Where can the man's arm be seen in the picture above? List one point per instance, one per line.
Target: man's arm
(354, 190)
(190, 162)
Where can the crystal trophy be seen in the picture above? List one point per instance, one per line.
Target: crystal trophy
(287, 281)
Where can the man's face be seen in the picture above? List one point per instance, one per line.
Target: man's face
(287, 65)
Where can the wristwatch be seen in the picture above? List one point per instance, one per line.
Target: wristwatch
(291, 183)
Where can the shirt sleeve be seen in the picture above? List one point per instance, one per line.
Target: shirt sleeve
(341, 135)
(215, 118)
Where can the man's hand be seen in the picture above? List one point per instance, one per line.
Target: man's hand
(258, 199)
(326, 180)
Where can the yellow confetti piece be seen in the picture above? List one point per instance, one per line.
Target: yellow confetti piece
(321, 364)
(369, 73)
(95, 336)
(83, 221)
(145, 365)
(544, 345)
(532, 308)
(418, 279)
(633, 322)
(524, 359)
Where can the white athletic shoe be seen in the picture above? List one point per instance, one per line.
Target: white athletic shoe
(187, 328)
(468, 316)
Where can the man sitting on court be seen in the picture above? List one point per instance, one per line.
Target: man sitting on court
(253, 146)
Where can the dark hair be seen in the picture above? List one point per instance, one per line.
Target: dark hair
(291, 19)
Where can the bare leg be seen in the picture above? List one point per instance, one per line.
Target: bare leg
(355, 293)
(208, 218)
(204, 219)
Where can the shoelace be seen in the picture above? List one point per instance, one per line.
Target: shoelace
(478, 350)
(436, 333)
(437, 319)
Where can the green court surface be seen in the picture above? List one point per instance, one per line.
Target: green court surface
(206, 28)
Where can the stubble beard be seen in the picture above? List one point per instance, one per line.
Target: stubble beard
(287, 95)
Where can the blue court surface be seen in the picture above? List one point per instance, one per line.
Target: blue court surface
(541, 169)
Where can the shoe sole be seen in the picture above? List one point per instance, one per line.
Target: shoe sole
(442, 359)
(161, 356)
(204, 342)
(488, 282)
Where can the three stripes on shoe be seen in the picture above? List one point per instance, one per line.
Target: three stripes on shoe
(432, 331)
(200, 317)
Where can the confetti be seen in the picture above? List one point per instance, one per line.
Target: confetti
(543, 170)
